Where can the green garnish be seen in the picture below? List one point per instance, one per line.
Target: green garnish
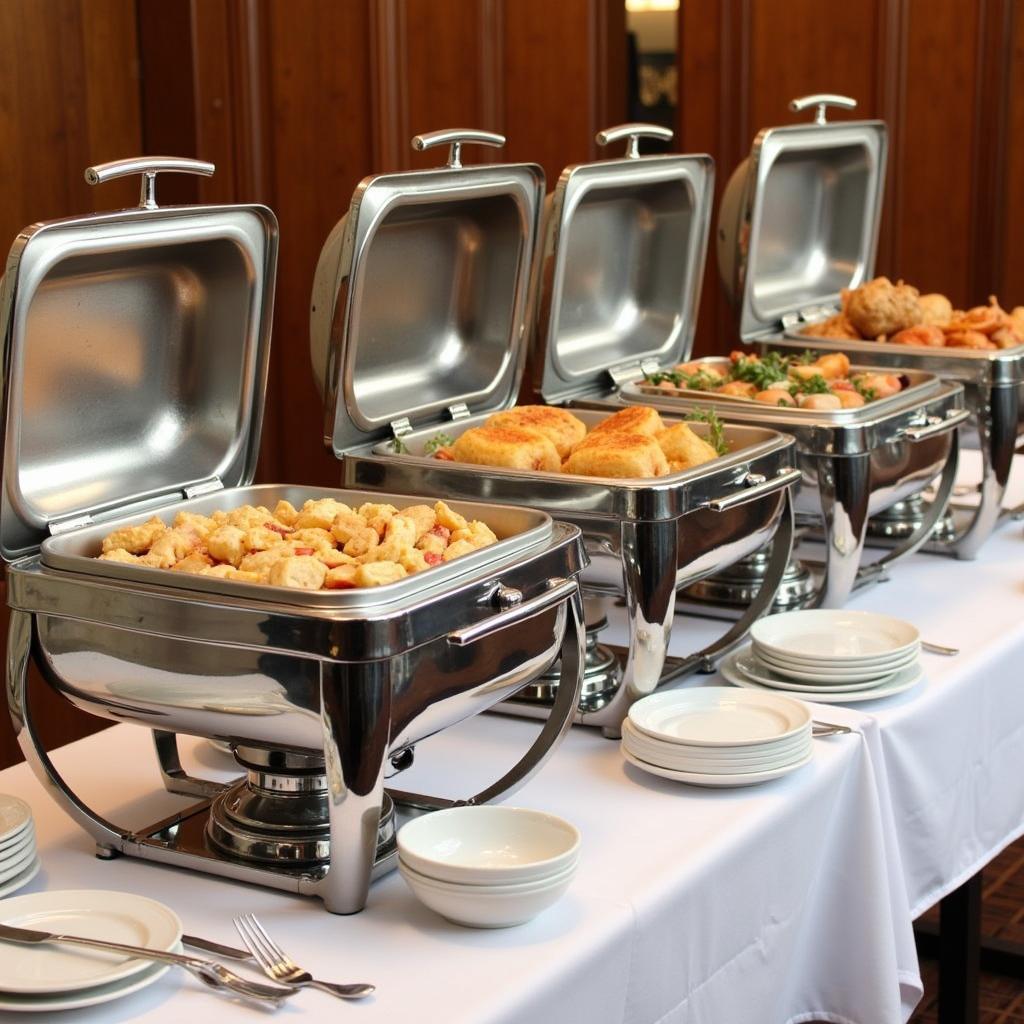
(868, 394)
(716, 428)
(398, 446)
(769, 369)
(441, 440)
(816, 385)
(806, 357)
(699, 381)
(672, 376)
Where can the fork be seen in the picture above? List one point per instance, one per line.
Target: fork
(281, 968)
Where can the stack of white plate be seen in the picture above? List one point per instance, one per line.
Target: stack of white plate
(717, 736)
(829, 656)
(488, 867)
(45, 978)
(19, 862)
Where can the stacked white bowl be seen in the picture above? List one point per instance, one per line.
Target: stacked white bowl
(488, 866)
(835, 656)
(717, 736)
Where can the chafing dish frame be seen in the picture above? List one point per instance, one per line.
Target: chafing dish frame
(993, 381)
(337, 675)
(634, 524)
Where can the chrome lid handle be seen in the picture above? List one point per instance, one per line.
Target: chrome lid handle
(455, 137)
(822, 100)
(149, 167)
(634, 132)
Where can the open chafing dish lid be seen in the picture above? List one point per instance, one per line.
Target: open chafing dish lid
(799, 218)
(623, 261)
(135, 357)
(421, 296)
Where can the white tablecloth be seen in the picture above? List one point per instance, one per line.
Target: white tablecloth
(788, 902)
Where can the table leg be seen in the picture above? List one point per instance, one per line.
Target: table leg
(960, 953)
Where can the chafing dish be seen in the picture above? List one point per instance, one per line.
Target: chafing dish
(800, 222)
(136, 345)
(420, 321)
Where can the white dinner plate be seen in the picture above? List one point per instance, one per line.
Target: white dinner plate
(20, 881)
(15, 866)
(673, 755)
(878, 667)
(702, 779)
(902, 680)
(804, 661)
(747, 664)
(850, 679)
(712, 716)
(837, 635)
(15, 816)
(94, 913)
(16, 845)
(88, 996)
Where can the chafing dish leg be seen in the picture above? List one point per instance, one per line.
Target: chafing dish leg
(175, 778)
(996, 414)
(21, 646)
(355, 713)
(844, 484)
(557, 723)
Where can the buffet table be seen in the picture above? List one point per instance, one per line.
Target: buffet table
(791, 901)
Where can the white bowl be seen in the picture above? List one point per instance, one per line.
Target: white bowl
(477, 906)
(488, 845)
(498, 889)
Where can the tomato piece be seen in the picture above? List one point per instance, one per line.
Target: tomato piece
(441, 531)
(444, 455)
(432, 558)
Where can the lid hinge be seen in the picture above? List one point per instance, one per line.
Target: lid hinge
(458, 411)
(621, 375)
(401, 427)
(203, 487)
(790, 321)
(59, 526)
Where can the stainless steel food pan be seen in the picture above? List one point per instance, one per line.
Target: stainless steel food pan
(854, 463)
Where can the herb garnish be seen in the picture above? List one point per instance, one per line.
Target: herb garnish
(716, 428)
(441, 440)
(815, 385)
(398, 446)
(769, 369)
(868, 394)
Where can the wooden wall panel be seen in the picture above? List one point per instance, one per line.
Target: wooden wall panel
(1008, 274)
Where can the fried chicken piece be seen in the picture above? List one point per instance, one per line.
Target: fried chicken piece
(610, 454)
(171, 547)
(227, 544)
(1008, 337)
(837, 326)
(303, 572)
(194, 563)
(320, 513)
(136, 540)
(120, 555)
(423, 516)
(968, 339)
(201, 525)
(935, 309)
(635, 419)
(833, 366)
(479, 534)
(284, 512)
(926, 335)
(448, 518)
(377, 574)
(350, 530)
(507, 448)
(563, 429)
(685, 448)
(881, 307)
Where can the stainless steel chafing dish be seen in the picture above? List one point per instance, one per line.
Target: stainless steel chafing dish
(136, 348)
(419, 324)
(799, 222)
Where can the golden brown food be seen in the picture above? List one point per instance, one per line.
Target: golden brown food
(368, 547)
(775, 396)
(635, 419)
(738, 389)
(822, 401)
(507, 448)
(611, 453)
(935, 309)
(837, 326)
(881, 307)
(563, 429)
(1008, 337)
(683, 448)
(984, 319)
(923, 335)
(968, 339)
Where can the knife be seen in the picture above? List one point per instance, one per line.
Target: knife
(206, 970)
(217, 948)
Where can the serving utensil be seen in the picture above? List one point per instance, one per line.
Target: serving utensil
(822, 729)
(948, 652)
(278, 965)
(209, 972)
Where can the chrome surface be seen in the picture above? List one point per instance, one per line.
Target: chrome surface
(633, 133)
(206, 970)
(136, 347)
(149, 167)
(821, 101)
(456, 138)
(822, 729)
(620, 268)
(799, 220)
(279, 967)
(421, 298)
(740, 583)
(948, 652)
(854, 464)
(217, 948)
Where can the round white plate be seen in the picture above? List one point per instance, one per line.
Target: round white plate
(15, 846)
(19, 881)
(88, 996)
(754, 668)
(94, 913)
(15, 866)
(839, 664)
(834, 634)
(674, 755)
(712, 716)
(702, 779)
(847, 671)
(696, 764)
(15, 816)
(897, 683)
